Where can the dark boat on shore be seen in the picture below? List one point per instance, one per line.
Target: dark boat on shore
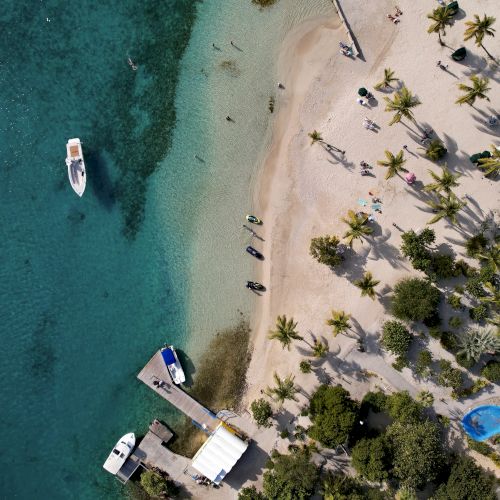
(255, 253)
(254, 285)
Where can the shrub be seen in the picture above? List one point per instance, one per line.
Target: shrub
(327, 250)
(462, 360)
(466, 481)
(491, 371)
(250, 493)
(400, 363)
(396, 338)
(455, 302)
(371, 458)
(433, 320)
(455, 322)
(415, 247)
(285, 434)
(376, 401)
(474, 287)
(403, 408)
(449, 376)
(459, 289)
(435, 150)
(476, 387)
(449, 341)
(424, 361)
(443, 266)
(435, 332)
(333, 414)
(262, 412)
(305, 366)
(418, 453)
(478, 313)
(291, 476)
(476, 244)
(156, 485)
(415, 299)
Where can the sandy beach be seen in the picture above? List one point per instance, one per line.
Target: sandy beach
(303, 190)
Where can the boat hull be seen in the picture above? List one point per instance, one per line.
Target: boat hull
(76, 166)
(173, 364)
(120, 453)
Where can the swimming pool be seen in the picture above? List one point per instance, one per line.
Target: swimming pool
(482, 422)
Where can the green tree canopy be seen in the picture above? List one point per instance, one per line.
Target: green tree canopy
(285, 332)
(339, 322)
(491, 371)
(262, 412)
(250, 493)
(284, 389)
(477, 342)
(157, 486)
(388, 79)
(401, 105)
(466, 481)
(396, 338)
(327, 250)
(441, 18)
(418, 453)
(415, 299)
(403, 408)
(445, 182)
(477, 90)
(478, 28)
(393, 163)
(416, 248)
(290, 477)
(371, 458)
(367, 285)
(333, 414)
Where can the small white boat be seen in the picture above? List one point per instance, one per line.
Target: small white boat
(173, 364)
(76, 166)
(120, 453)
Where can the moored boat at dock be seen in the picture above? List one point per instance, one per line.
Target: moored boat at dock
(120, 453)
(173, 364)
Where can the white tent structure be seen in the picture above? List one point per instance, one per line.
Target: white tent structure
(218, 454)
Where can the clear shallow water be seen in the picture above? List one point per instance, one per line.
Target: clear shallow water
(90, 287)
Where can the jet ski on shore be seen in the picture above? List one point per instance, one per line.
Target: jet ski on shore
(254, 285)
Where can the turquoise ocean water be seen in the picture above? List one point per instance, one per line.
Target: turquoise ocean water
(90, 287)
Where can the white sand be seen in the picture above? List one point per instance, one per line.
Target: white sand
(303, 191)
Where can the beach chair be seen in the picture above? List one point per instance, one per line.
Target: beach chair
(459, 54)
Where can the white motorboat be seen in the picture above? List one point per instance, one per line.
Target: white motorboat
(76, 166)
(173, 364)
(120, 453)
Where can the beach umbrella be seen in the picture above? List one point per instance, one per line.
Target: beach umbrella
(362, 92)
(410, 178)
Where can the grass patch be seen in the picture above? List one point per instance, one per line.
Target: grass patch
(219, 382)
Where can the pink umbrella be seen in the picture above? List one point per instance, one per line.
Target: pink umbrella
(410, 178)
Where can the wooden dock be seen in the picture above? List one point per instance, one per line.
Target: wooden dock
(156, 371)
(152, 452)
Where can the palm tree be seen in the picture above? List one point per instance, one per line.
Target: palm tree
(445, 183)
(393, 163)
(494, 298)
(367, 285)
(357, 226)
(315, 136)
(285, 389)
(388, 78)
(285, 332)
(320, 350)
(491, 165)
(402, 103)
(441, 17)
(339, 321)
(435, 150)
(477, 91)
(477, 342)
(446, 207)
(478, 29)
(425, 398)
(491, 256)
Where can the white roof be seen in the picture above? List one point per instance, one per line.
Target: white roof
(218, 454)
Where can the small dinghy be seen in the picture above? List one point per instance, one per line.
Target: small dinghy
(255, 253)
(253, 219)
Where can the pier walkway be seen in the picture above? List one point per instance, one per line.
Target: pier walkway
(155, 370)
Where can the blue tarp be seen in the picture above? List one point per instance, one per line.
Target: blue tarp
(168, 356)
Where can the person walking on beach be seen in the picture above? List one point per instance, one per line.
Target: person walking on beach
(360, 101)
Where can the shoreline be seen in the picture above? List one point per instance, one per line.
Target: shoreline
(302, 192)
